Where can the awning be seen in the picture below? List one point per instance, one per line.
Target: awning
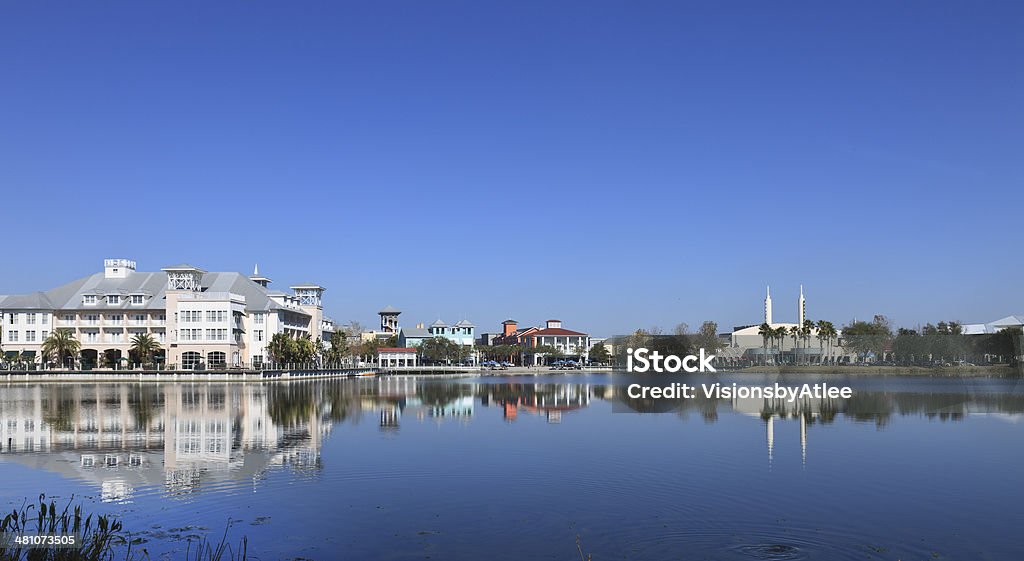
(10, 354)
(28, 354)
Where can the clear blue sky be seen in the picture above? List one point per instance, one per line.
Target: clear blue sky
(613, 164)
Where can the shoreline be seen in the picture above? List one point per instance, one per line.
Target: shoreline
(941, 372)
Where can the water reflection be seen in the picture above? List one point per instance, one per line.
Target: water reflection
(181, 438)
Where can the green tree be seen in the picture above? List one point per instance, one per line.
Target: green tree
(145, 347)
(282, 349)
(440, 349)
(339, 347)
(827, 332)
(868, 337)
(806, 329)
(599, 354)
(908, 346)
(59, 345)
(766, 332)
(304, 350)
(707, 338)
(794, 332)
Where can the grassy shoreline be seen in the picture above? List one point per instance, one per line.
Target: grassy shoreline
(943, 372)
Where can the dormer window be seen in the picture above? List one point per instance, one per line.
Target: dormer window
(89, 299)
(114, 299)
(138, 299)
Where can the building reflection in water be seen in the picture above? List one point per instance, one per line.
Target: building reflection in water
(123, 437)
(180, 437)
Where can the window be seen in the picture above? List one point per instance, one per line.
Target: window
(92, 319)
(257, 319)
(216, 316)
(189, 361)
(216, 334)
(30, 318)
(191, 316)
(89, 299)
(46, 335)
(116, 318)
(259, 334)
(12, 336)
(12, 319)
(44, 318)
(114, 299)
(139, 318)
(257, 360)
(216, 359)
(69, 318)
(137, 299)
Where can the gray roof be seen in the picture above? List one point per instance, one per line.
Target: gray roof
(414, 332)
(390, 310)
(464, 323)
(33, 301)
(69, 296)
(182, 267)
(439, 323)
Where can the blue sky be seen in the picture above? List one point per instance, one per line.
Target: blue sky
(613, 164)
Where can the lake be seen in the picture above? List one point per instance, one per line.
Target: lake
(908, 468)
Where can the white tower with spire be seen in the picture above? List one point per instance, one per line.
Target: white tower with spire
(258, 278)
(802, 308)
(768, 306)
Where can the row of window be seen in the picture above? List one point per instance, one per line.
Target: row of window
(196, 316)
(113, 318)
(87, 336)
(29, 425)
(30, 336)
(114, 299)
(30, 318)
(197, 335)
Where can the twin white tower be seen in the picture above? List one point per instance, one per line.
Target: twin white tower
(801, 307)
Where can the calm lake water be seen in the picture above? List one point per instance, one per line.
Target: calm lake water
(514, 468)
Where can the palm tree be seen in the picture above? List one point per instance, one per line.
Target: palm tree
(820, 336)
(795, 334)
(827, 330)
(766, 332)
(60, 344)
(805, 333)
(144, 346)
(780, 336)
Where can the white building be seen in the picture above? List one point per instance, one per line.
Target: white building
(750, 343)
(197, 317)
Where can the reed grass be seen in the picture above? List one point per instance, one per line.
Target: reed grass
(100, 538)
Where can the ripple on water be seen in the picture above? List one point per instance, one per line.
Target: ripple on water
(771, 551)
(723, 543)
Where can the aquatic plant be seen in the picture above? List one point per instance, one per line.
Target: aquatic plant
(99, 538)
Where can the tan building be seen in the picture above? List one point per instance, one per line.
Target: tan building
(200, 319)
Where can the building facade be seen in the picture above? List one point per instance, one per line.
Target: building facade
(198, 318)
